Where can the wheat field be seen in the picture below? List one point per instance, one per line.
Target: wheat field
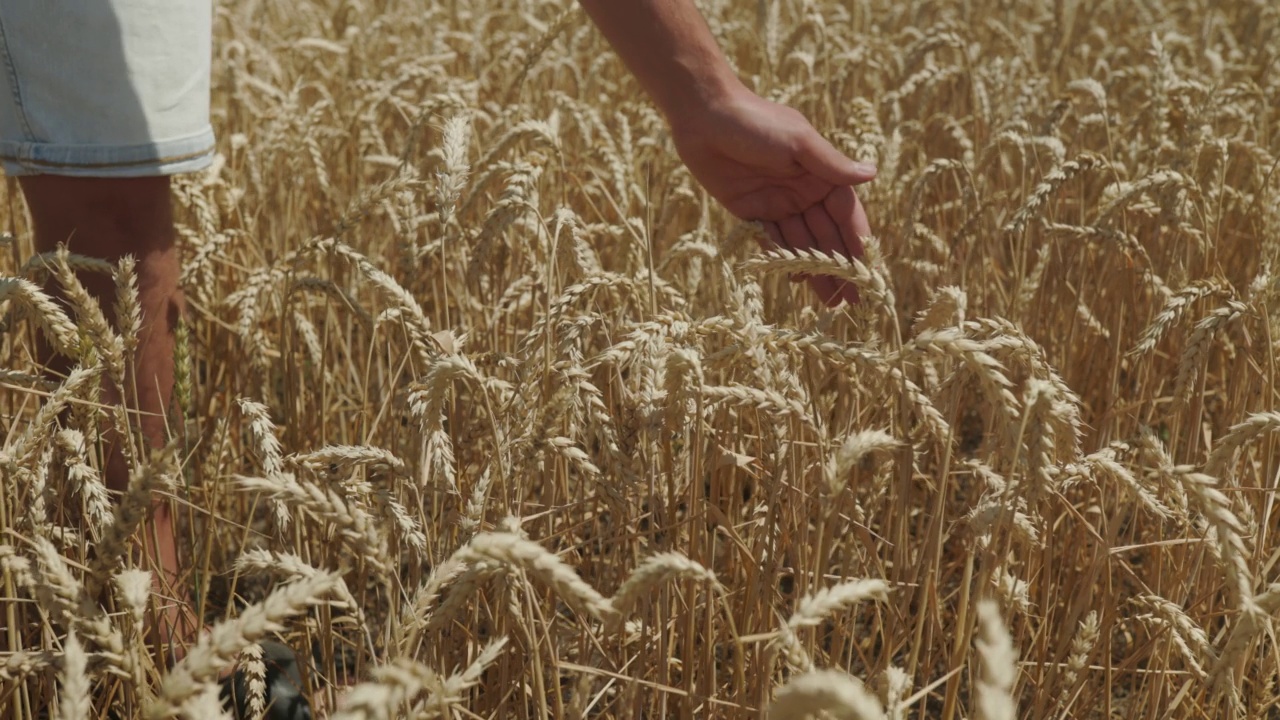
(483, 399)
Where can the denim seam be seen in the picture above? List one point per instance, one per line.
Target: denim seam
(14, 87)
(132, 163)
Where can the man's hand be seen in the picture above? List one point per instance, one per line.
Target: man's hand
(761, 160)
(765, 162)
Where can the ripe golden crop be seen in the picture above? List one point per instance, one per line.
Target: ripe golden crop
(486, 401)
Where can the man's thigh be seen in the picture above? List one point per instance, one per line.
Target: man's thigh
(105, 88)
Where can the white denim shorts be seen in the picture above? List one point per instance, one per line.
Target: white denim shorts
(105, 88)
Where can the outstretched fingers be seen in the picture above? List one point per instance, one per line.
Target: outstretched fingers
(830, 241)
(793, 233)
(850, 217)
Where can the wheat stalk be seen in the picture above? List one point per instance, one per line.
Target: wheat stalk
(157, 474)
(1202, 335)
(1082, 645)
(74, 700)
(53, 321)
(993, 699)
(813, 608)
(398, 683)
(1237, 437)
(654, 572)
(519, 553)
(824, 691)
(1175, 306)
(1188, 637)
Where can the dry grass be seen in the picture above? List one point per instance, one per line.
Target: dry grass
(477, 381)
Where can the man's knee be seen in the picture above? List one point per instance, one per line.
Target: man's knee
(102, 217)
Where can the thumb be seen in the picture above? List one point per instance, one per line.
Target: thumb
(821, 158)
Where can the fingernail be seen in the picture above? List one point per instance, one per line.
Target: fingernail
(865, 168)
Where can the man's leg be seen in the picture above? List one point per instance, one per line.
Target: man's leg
(109, 218)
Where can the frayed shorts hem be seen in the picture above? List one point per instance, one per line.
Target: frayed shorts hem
(167, 157)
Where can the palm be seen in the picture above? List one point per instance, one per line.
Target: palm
(764, 162)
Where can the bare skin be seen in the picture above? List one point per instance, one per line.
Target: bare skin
(110, 218)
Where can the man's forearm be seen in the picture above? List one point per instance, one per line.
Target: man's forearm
(666, 44)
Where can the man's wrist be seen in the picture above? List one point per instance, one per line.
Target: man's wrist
(699, 94)
(667, 45)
